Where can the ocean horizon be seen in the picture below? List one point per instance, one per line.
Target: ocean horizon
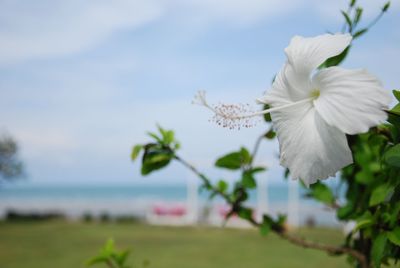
(170, 192)
(75, 200)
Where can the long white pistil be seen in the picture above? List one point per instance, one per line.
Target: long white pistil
(237, 115)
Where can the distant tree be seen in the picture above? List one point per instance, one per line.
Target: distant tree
(11, 166)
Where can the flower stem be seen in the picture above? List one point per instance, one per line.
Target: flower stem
(377, 18)
(256, 146)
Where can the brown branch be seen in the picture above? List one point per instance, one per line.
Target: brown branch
(328, 248)
(299, 241)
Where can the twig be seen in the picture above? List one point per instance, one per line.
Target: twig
(375, 20)
(328, 248)
(256, 146)
(282, 233)
(205, 180)
(314, 245)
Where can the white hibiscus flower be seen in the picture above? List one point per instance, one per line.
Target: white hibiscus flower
(313, 112)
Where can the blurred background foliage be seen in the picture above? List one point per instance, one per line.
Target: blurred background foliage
(11, 167)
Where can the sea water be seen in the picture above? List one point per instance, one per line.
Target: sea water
(136, 199)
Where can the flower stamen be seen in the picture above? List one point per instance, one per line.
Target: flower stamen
(315, 93)
(235, 116)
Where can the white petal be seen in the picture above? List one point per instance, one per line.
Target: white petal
(351, 100)
(309, 147)
(287, 87)
(306, 54)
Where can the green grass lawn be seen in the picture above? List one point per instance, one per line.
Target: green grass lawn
(68, 245)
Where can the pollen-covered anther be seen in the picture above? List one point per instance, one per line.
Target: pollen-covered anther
(233, 116)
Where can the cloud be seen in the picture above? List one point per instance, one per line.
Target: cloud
(238, 12)
(249, 12)
(46, 28)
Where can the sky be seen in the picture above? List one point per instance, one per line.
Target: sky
(81, 82)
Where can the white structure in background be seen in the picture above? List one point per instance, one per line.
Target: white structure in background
(262, 197)
(188, 213)
(177, 214)
(192, 193)
(293, 203)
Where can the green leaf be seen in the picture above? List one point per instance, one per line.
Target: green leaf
(234, 160)
(257, 170)
(109, 247)
(148, 168)
(386, 7)
(336, 60)
(381, 194)
(239, 194)
(364, 221)
(281, 220)
(135, 151)
(396, 94)
(286, 174)
(392, 156)
(154, 136)
(245, 213)
(105, 254)
(222, 186)
(154, 160)
(352, 3)
(248, 180)
(378, 248)
(167, 135)
(395, 110)
(270, 134)
(230, 161)
(348, 20)
(359, 33)
(358, 15)
(177, 145)
(97, 260)
(121, 257)
(364, 176)
(395, 214)
(245, 156)
(267, 117)
(394, 236)
(322, 193)
(362, 224)
(161, 130)
(346, 211)
(265, 228)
